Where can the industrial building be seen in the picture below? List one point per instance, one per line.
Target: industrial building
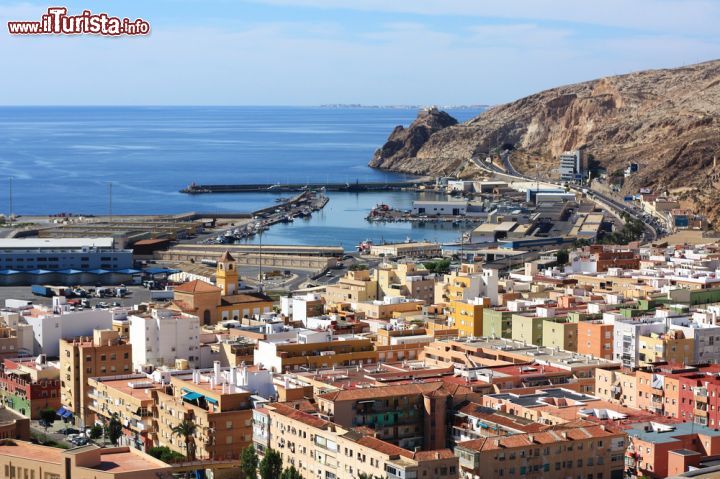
(25, 261)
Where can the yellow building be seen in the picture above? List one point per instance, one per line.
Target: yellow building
(354, 287)
(213, 303)
(672, 347)
(84, 358)
(405, 279)
(389, 308)
(467, 316)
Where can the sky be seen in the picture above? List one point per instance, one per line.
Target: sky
(374, 52)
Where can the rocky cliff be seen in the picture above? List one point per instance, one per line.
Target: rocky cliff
(666, 120)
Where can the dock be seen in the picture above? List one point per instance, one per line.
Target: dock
(357, 186)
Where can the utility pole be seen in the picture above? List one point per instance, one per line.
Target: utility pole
(260, 284)
(110, 201)
(10, 192)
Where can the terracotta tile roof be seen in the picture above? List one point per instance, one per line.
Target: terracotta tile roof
(226, 256)
(557, 434)
(382, 391)
(246, 298)
(197, 286)
(300, 416)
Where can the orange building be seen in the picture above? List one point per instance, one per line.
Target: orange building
(595, 338)
(660, 450)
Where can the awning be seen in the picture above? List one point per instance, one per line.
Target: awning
(67, 415)
(61, 411)
(69, 271)
(99, 271)
(211, 400)
(39, 271)
(7, 272)
(128, 271)
(191, 396)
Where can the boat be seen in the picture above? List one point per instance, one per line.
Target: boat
(364, 246)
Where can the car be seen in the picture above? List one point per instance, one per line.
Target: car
(80, 441)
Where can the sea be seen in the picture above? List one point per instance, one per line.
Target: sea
(134, 160)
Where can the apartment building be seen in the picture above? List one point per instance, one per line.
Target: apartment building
(589, 451)
(354, 287)
(468, 282)
(105, 354)
(389, 307)
(29, 385)
(405, 279)
(130, 397)
(402, 344)
(467, 316)
(309, 349)
(159, 337)
(560, 333)
(595, 338)
(658, 450)
(407, 415)
(318, 448)
(219, 402)
(301, 307)
(671, 346)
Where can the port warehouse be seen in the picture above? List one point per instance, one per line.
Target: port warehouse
(315, 258)
(25, 261)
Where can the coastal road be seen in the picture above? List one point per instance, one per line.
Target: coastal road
(651, 234)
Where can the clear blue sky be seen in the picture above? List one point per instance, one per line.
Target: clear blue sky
(309, 52)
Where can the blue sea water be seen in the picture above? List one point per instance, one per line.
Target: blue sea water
(61, 159)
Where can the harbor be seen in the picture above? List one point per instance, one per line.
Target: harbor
(357, 186)
(287, 210)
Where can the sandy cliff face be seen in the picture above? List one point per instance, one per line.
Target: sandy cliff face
(668, 121)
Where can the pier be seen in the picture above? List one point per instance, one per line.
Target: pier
(357, 186)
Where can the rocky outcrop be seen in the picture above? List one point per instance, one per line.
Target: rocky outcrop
(666, 120)
(404, 143)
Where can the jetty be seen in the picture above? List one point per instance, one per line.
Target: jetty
(357, 186)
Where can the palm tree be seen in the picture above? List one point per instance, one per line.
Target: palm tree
(187, 429)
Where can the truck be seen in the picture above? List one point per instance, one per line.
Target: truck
(40, 290)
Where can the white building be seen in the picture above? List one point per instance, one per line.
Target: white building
(299, 308)
(571, 165)
(160, 337)
(433, 208)
(49, 326)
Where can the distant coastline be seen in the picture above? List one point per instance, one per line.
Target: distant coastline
(405, 107)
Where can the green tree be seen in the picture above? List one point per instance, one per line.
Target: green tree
(47, 417)
(562, 257)
(96, 431)
(165, 454)
(187, 429)
(113, 429)
(290, 473)
(271, 465)
(249, 463)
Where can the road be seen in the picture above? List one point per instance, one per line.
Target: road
(651, 234)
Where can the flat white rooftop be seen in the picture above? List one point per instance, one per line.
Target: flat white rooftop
(54, 243)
